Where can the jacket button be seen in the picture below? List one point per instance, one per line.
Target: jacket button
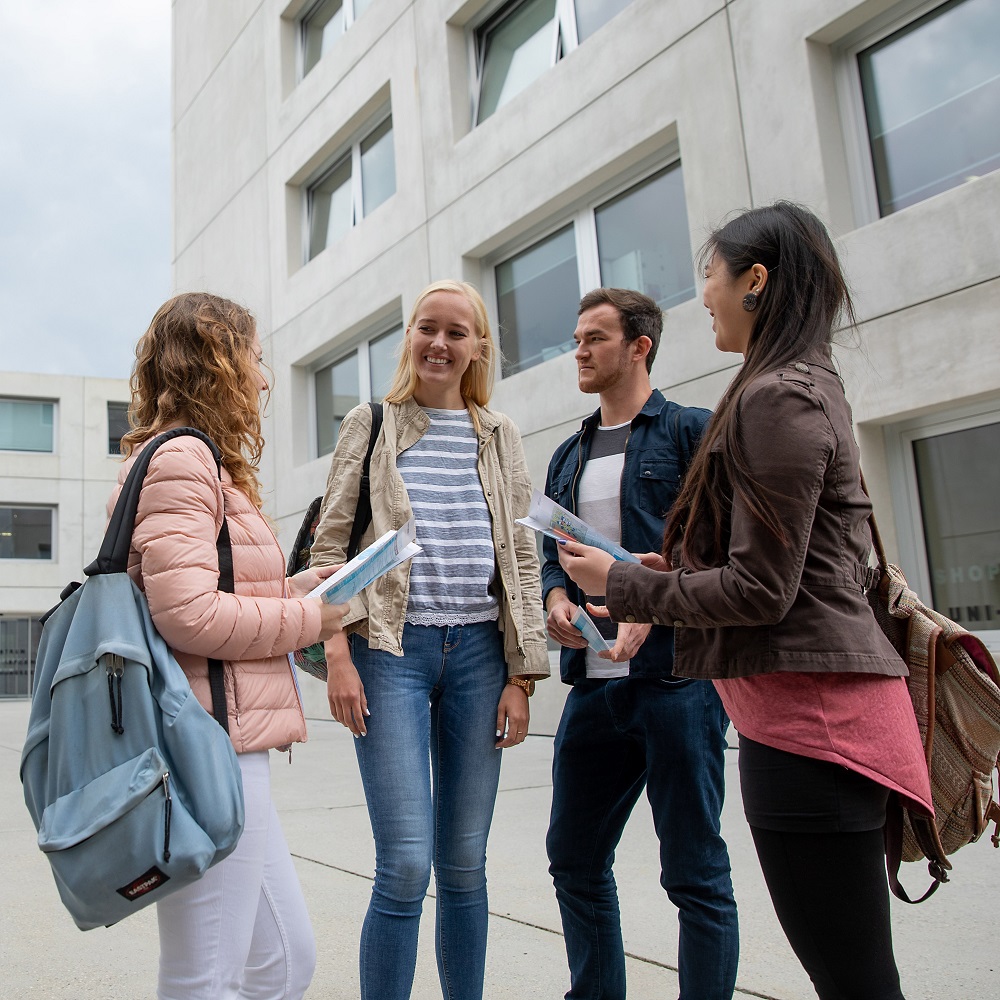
(656, 620)
(503, 545)
(646, 472)
(630, 619)
(801, 366)
(678, 624)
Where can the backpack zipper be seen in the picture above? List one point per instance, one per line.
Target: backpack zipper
(115, 666)
(167, 809)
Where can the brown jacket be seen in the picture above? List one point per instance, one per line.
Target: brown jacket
(769, 607)
(379, 612)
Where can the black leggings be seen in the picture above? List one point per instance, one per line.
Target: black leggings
(826, 876)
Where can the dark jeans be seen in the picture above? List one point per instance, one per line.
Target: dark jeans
(616, 737)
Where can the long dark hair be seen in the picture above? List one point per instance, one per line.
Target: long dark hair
(803, 298)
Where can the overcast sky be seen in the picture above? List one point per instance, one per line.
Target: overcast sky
(84, 181)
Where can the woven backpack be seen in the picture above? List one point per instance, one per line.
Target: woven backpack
(955, 689)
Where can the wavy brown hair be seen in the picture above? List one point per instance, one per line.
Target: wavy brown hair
(803, 298)
(194, 366)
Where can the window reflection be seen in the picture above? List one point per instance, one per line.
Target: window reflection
(538, 292)
(643, 240)
(320, 29)
(382, 358)
(932, 102)
(336, 394)
(378, 167)
(958, 479)
(330, 212)
(593, 14)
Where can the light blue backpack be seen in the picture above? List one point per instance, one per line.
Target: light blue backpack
(134, 788)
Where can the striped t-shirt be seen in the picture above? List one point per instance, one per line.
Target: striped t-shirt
(450, 579)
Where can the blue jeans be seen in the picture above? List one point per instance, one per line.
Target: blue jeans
(430, 771)
(615, 737)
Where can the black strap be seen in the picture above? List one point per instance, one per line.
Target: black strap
(113, 556)
(363, 514)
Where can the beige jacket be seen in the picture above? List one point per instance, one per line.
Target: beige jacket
(174, 560)
(380, 612)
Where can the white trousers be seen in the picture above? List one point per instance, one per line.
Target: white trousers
(242, 932)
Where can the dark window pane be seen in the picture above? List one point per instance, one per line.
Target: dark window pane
(25, 532)
(320, 29)
(514, 51)
(958, 478)
(336, 394)
(26, 425)
(538, 292)
(117, 426)
(593, 14)
(932, 102)
(643, 240)
(382, 361)
(18, 648)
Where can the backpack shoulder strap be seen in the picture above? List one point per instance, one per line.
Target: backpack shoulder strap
(363, 514)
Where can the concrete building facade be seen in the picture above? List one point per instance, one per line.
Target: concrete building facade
(58, 462)
(332, 158)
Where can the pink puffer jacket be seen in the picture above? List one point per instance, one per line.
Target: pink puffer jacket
(174, 560)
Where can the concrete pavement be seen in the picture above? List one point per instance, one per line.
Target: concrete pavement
(947, 948)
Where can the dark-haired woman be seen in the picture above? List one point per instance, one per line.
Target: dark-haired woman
(243, 929)
(763, 572)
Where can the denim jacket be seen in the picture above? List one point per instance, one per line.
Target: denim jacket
(660, 444)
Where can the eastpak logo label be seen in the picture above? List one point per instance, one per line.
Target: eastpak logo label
(146, 882)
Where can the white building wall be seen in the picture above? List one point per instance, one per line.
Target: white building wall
(749, 92)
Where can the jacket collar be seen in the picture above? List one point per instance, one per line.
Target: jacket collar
(650, 409)
(411, 412)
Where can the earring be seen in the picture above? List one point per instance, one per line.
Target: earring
(750, 301)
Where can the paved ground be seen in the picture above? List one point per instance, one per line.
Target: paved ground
(947, 948)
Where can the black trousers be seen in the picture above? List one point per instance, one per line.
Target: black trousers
(817, 828)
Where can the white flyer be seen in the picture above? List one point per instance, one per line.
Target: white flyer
(584, 624)
(384, 554)
(557, 522)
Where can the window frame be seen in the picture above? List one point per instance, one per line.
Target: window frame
(566, 40)
(359, 346)
(330, 164)
(302, 29)
(904, 489)
(583, 217)
(53, 553)
(857, 146)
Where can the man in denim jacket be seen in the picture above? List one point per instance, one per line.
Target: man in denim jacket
(627, 722)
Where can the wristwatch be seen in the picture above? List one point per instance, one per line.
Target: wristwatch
(522, 682)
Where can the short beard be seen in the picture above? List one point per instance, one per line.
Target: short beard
(607, 380)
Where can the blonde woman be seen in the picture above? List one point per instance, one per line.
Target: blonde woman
(243, 929)
(444, 651)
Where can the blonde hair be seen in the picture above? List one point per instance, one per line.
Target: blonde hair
(477, 382)
(195, 365)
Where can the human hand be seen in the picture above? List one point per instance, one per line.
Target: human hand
(653, 560)
(330, 616)
(512, 716)
(302, 583)
(559, 625)
(586, 566)
(630, 637)
(344, 690)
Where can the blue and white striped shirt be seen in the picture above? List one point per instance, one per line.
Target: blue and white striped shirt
(450, 579)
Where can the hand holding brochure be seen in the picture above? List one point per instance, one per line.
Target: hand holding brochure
(384, 554)
(584, 624)
(550, 519)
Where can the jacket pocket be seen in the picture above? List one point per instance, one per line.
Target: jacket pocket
(659, 481)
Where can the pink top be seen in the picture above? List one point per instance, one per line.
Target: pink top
(863, 722)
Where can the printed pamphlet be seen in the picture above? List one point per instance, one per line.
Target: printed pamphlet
(584, 624)
(384, 554)
(550, 519)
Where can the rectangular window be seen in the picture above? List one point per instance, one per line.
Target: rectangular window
(118, 426)
(353, 187)
(525, 38)
(19, 638)
(637, 239)
(26, 425)
(364, 374)
(931, 96)
(958, 481)
(323, 24)
(26, 532)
